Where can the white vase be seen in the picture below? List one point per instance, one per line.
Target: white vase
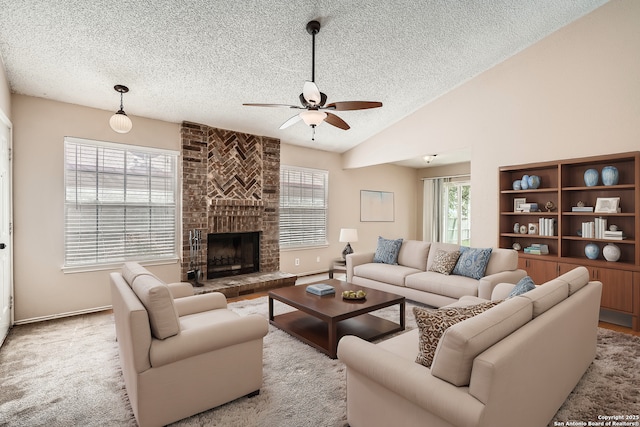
(611, 252)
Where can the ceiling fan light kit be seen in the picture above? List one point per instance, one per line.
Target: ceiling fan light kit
(313, 101)
(120, 122)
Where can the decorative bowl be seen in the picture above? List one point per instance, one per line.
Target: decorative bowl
(354, 295)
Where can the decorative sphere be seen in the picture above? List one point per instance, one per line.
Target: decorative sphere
(517, 246)
(613, 227)
(534, 181)
(592, 251)
(517, 184)
(524, 183)
(611, 252)
(610, 175)
(591, 177)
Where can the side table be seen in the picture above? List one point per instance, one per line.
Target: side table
(338, 264)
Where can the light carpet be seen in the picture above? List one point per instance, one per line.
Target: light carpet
(65, 372)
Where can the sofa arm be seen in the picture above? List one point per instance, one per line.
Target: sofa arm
(180, 289)
(501, 291)
(199, 303)
(487, 283)
(410, 380)
(357, 259)
(206, 338)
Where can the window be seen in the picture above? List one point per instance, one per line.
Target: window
(456, 221)
(120, 203)
(303, 207)
(447, 209)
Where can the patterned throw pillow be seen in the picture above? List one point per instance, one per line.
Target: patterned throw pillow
(524, 285)
(472, 262)
(433, 323)
(444, 262)
(387, 251)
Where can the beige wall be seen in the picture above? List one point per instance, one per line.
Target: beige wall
(344, 206)
(576, 93)
(41, 288)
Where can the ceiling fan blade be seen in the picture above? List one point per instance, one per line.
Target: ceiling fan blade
(291, 121)
(353, 105)
(311, 93)
(336, 121)
(273, 105)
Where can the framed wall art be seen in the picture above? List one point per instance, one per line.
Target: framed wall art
(376, 206)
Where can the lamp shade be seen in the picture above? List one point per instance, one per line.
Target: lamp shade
(313, 117)
(120, 123)
(348, 235)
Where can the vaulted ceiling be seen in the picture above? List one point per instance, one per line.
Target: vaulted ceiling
(199, 60)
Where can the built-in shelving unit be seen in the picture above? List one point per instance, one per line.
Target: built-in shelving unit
(563, 184)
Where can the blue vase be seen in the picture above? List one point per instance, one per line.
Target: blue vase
(610, 175)
(592, 251)
(534, 181)
(591, 177)
(516, 184)
(525, 182)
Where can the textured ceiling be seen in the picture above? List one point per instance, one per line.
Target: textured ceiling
(199, 60)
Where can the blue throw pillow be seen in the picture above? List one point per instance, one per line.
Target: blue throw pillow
(524, 285)
(472, 262)
(387, 251)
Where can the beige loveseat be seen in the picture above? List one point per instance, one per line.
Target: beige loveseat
(514, 364)
(180, 353)
(412, 279)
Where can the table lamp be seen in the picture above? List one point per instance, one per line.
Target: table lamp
(348, 235)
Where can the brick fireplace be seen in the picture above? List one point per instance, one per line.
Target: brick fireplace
(231, 184)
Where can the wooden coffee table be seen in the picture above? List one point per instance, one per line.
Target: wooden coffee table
(321, 321)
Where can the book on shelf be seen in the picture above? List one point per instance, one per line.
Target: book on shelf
(321, 289)
(528, 207)
(614, 235)
(537, 249)
(547, 226)
(582, 209)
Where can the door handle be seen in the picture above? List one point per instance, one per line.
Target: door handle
(2, 246)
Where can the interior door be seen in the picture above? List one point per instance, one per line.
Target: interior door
(6, 271)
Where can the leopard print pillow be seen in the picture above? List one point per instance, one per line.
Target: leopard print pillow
(433, 323)
(444, 262)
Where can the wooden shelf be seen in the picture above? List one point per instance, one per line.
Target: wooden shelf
(562, 183)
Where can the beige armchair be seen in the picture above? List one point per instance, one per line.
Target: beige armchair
(180, 353)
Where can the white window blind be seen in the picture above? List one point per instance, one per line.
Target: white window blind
(303, 206)
(120, 203)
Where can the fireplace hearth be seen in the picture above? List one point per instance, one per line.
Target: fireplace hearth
(230, 254)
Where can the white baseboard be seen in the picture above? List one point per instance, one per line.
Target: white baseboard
(61, 315)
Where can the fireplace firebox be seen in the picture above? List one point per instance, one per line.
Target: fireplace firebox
(229, 254)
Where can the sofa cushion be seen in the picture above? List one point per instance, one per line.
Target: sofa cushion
(576, 279)
(472, 262)
(462, 342)
(157, 300)
(547, 295)
(444, 262)
(433, 323)
(449, 286)
(387, 251)
(392, 274)
(413, 253)
(131, 270)
(524, 285)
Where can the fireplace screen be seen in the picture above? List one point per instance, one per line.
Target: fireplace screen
(229, 254)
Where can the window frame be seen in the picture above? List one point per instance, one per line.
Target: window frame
(169, 246)
(285, 206)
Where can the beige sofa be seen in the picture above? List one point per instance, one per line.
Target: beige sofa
(514, 364)
(412, 279)
(180, 353)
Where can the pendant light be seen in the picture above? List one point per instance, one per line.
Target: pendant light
(119, 122)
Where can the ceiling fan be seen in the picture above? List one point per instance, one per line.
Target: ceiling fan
(313, 101)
